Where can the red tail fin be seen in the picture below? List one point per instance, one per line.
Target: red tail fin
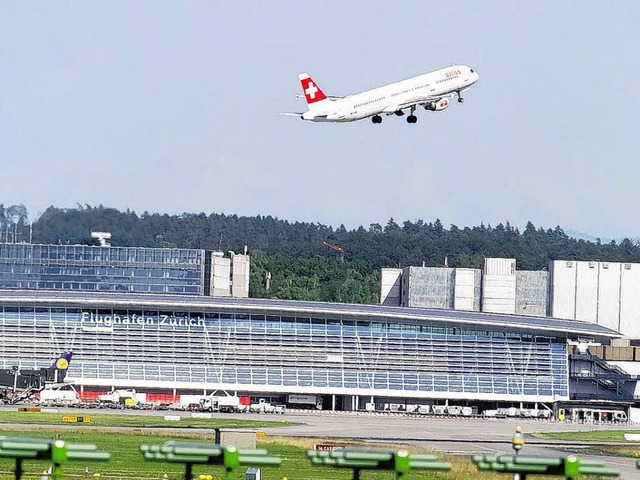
(311, 90)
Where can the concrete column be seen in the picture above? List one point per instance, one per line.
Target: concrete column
(333, 403)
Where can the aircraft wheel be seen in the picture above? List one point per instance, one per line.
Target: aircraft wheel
(460, 100)
(376, 119)
(412, 119)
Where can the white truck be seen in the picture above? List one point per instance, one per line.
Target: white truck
(266, 407)
(439, 409)
(127, 397)
(454, 410)
(58, 396)
(469, 411)
(424, 409)
(222, 403)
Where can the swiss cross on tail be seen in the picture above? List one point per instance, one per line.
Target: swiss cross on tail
(311, 90)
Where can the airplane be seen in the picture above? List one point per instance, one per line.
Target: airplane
(431, 90)
(18, 384)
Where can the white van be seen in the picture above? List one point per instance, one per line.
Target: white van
(454, 410)
(467, 411)
(619, 416)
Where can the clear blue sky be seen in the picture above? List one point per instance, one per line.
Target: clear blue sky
(167, 106)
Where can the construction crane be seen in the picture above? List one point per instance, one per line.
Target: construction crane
(337, 248)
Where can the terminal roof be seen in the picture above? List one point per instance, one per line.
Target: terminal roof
(548, 325)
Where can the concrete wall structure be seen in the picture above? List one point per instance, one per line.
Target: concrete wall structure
(603, 293)
(499, 285)
(430, 287)
(532, 293)
(220, 275)
(466, 291)
(240, 276)
(390, 285)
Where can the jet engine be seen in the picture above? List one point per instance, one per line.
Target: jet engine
(437, 106)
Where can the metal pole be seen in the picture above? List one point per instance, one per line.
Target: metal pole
(16, 372)
(18, 468)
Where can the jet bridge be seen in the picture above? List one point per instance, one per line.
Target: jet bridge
(18, 384)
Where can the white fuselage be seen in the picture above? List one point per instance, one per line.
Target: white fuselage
(393, 97)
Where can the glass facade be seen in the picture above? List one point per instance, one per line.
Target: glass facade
(238, 349)
(89, 268)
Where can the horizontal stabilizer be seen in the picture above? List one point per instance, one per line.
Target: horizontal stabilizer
(291, 114)
(330, 97)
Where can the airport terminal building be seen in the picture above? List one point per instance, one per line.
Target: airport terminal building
(348, 355)
(355, 353)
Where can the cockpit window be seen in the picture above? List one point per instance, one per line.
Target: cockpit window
(471, 70)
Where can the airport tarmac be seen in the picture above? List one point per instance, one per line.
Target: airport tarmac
(454, 436)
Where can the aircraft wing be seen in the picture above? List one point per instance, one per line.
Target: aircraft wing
(415, 102)
(291, 114)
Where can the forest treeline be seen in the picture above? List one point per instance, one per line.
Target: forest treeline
(301, 266)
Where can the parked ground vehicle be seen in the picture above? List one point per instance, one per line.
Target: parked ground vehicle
(439, 409)
(223, 403)
(305, 401)
(468, 411)
(262, 406)
(454, 410)
(126, 397)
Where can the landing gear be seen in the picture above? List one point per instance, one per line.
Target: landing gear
(412, 118)
(460, 99)
(376, 119)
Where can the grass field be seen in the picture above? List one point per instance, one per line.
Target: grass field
(632, 452)
(127, 462)
(133, 421)
(588, 436)
(612, 436)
